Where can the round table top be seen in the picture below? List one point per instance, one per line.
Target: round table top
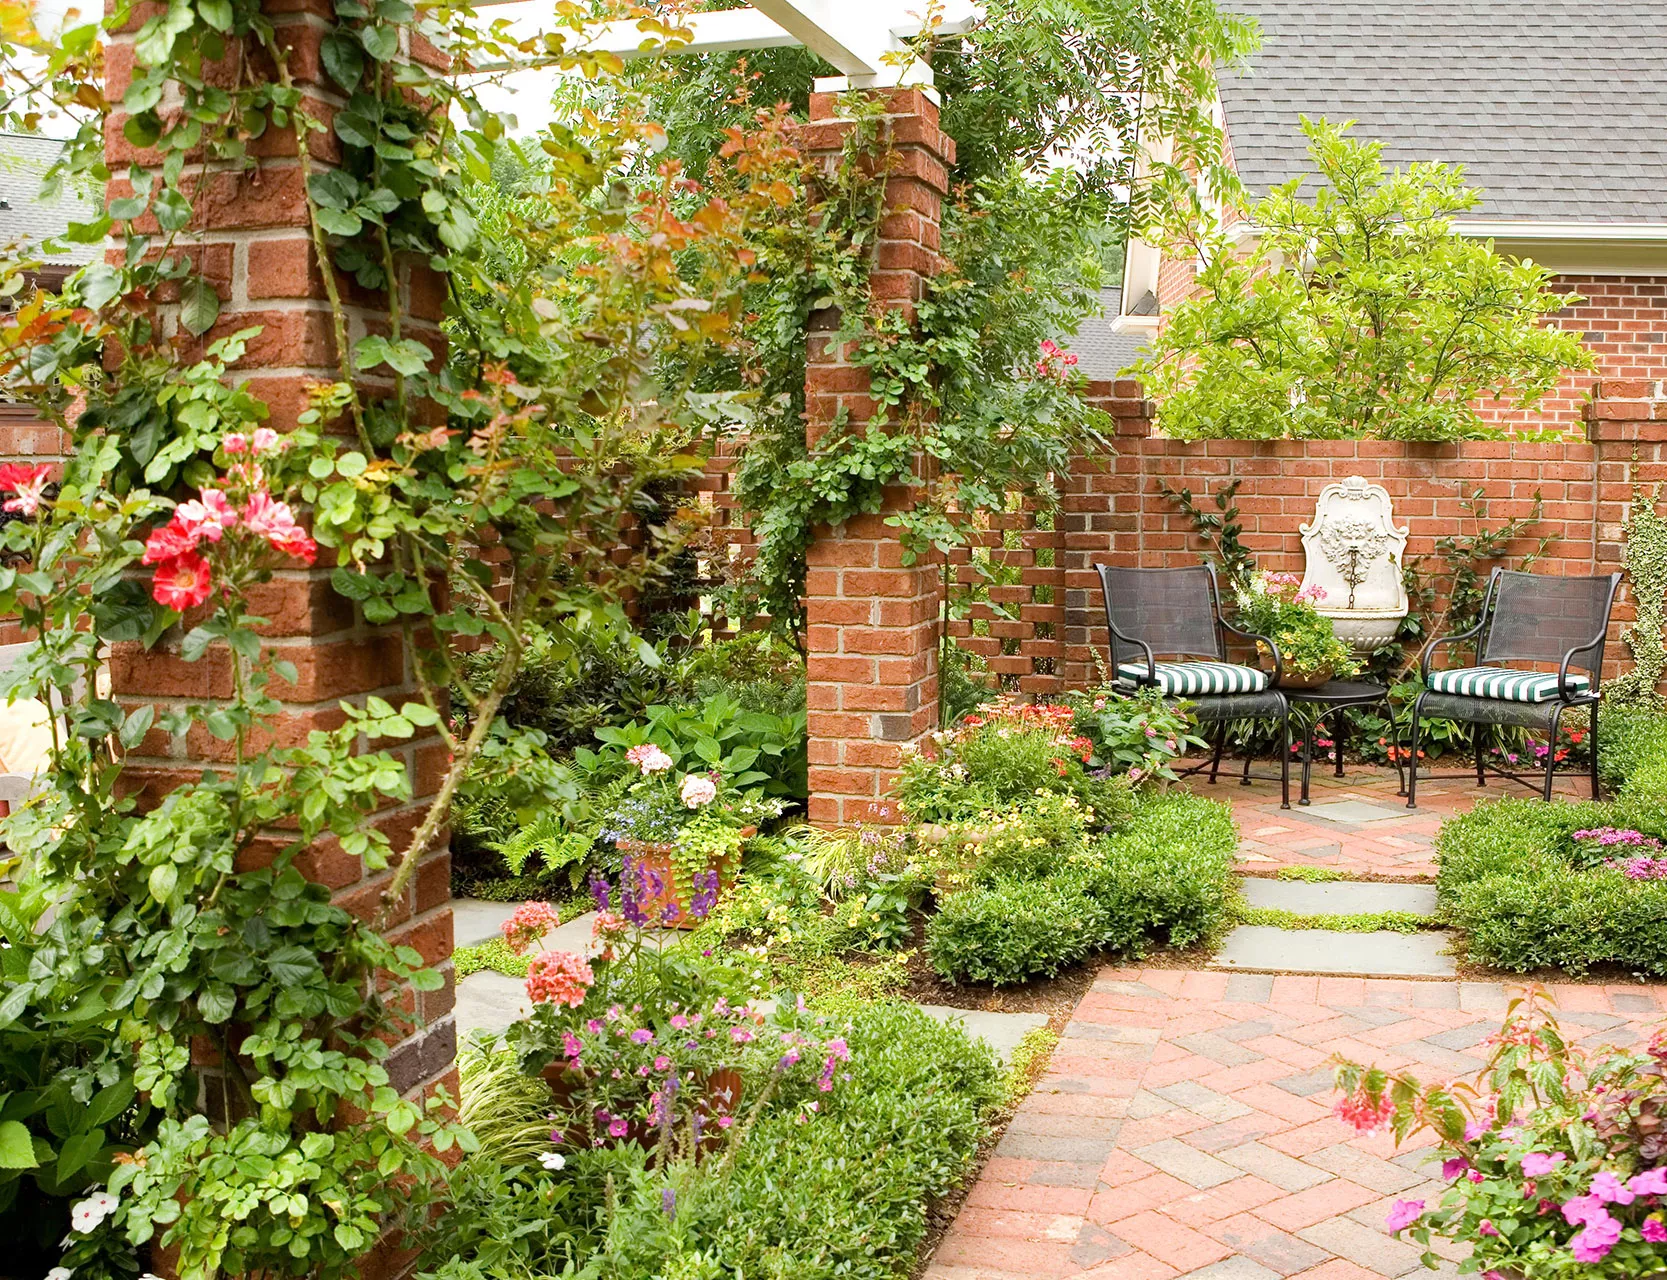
(1340, 691)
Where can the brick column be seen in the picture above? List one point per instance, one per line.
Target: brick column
(251, 235)
(1626, 421)
(872, 621)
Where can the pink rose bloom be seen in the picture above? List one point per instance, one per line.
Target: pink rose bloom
(235, 443)
(208, 517)
(1608, 1188)
(266, 438)
(1404, 1214)
(1536, 1163)
(698, 791)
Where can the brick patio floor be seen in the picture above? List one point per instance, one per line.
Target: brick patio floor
(1272, 837)
(1184, 1125)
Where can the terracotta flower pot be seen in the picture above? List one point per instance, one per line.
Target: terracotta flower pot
(660, 860)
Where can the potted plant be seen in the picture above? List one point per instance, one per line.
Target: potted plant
(684, 831)
(1556, 1156)
(1276, 605)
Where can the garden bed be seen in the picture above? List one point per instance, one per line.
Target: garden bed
(1530, 892)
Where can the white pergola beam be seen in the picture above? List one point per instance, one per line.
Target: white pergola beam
(853, 35)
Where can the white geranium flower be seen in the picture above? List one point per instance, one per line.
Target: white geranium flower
(553, 1160)
(86, 1215)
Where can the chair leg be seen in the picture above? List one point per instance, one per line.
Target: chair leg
(1309, 733)
(1285, 756)
(1592, 737)
(1412, 754)
(1480, 733)
(1221, 745)
(1339, 735)
(1551, 752)
(1244, 779)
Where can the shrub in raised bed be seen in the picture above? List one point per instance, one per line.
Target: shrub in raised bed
(1165, 878)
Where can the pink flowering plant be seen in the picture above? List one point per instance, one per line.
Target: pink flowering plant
(1556, 1156)
(1139, 735)
(1636, 855)
(1278, 606)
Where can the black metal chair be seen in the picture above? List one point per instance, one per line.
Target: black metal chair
(1177, 613)
(1526, 617)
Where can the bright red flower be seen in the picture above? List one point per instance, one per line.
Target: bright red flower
(166, 543)
(27, 483)
(182, 582)
(275, 522)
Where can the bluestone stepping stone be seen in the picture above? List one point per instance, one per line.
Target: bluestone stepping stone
(1336, 954)
(474, 921)
(1001, 1031)
(1339, 897)
(1353, 811)
(489, 1001)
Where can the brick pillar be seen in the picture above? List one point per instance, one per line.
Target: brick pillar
(1626, 422)
(252, 237)
(872, 635)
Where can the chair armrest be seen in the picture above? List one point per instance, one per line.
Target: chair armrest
(1429, 649)
(1563, 691)
(1278, 661)
(1151, 658)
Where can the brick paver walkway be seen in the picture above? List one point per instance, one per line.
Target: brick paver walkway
(1184, 1128)
(1184, 1125)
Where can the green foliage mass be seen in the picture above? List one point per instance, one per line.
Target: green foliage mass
(845, 1195)
(1356, 312)
(1511, 879)
(1646, 635)
(1165, 879)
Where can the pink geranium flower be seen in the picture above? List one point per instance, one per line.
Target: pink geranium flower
(558, 977)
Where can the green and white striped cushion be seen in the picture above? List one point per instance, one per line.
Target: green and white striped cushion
(1502, 684)
(1185, 679)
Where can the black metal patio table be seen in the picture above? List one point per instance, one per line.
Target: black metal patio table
(1331, 698)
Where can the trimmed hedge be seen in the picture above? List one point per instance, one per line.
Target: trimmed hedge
(1509, 876)
(1166, 878)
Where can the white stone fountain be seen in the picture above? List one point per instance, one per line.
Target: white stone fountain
(1354, 553)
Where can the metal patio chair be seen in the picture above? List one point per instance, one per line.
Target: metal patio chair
(1155, 614)
(1530, 618)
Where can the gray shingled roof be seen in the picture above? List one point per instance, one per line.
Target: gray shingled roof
(26, 218)
(1101, 353)
(1556, 108)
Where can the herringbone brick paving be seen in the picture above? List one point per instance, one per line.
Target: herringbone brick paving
(1184, 1126)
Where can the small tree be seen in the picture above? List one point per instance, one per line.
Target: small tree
(1357, 312)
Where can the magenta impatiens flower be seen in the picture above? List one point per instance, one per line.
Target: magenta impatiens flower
(1404, 1214)
(1580, 1209)
(1454, 1168)
(1608, 1188)
(1652, 1182)
(1600, 1234)
(1653, 1230)
(1537, 1163)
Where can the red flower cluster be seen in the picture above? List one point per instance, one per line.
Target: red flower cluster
(25, 484)
(1055, 360)
(183, 576)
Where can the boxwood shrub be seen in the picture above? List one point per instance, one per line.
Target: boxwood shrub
(1511, 880)
(1166, 877)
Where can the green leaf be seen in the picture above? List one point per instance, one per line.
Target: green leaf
(17, 999)
(217, 1003)
(76, 1151)
(292, 966)
(110, 1101)
(136, 726)
(340, 222)
(17, 1149)
(199, 306)
(354, 129)
(217, 13)
(343, 59)
(382, 43)
(163, 878)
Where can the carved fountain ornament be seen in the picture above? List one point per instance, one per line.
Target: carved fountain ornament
(1354, 554)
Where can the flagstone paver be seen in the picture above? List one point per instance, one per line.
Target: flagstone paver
(1145, 1152)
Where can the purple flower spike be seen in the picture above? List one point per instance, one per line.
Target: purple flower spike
(668, 1202)
(599, 891)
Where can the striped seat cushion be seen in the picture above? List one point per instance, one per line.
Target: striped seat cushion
(1187, 679)
(1502, 684)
